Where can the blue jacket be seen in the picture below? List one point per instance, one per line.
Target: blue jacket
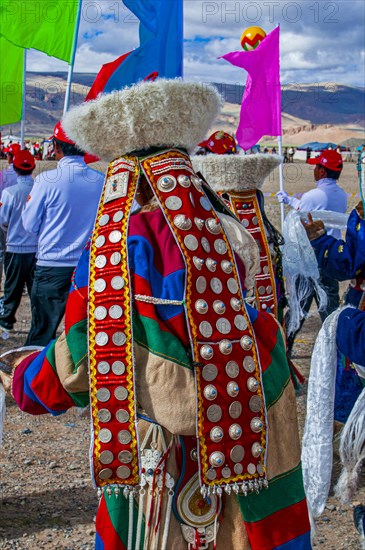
(350, 337)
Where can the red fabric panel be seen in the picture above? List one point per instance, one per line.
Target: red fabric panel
(47, 387)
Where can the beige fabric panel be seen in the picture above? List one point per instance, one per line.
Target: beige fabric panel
(72, 382)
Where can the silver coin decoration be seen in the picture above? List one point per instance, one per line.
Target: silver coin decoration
(223, 326)
(209, 372)
(100, 313)
(201, 285)
(245, 223)
(255, 221)
(219, 307)
(205, 245)
(226, 266)
(182, 222)
(115, 258)
(121, 393)
(249, 364)
(260, 469)
(124, 437)
(196, 182)
(252, 384)
(216, 285)
(101, 339)
(118, 216)
(213, 226)
(237, 453)
(235, 431)
(205, 329)
(122, 416)
(205, 204)
(166, 183)
(173, 203)
(255, 403)
(106, 457)
(99, 285)
(104, 415)
(105, 435)
(235, 409)
(100, 241)
(103, 220)
(100, 261)
(184, 181)
(210, 392)
(216, 434)
(199, 223)
(103, 395)
(105, 473)
(206, 352)
(246, 343)
(115, 236)
(251, 468)
(266, 269)
(217, 459)
(191, 242)
(198, 262)
(240, 322)
(214, 413)
(256, 424)
(119, 338)
(117, 282)
(211, 264)
(118, 368)
(115, 312)
(232, 286)
(238, 469)
(220, 246)
(103, 367)
(201, 306)
(226, 472)
(269, 289)
(225, 347)
(125, 457)
(123, 472)
(211, 474)
(236, 304)
(232, 369)
(261, 290)
(194, 454)
(192, 199)
(233, 389)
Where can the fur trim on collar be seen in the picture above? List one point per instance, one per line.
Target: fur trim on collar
(166, 113)
(235, 172)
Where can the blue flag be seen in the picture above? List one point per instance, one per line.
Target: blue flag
(161, 43)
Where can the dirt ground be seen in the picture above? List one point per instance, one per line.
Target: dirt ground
(46, 497)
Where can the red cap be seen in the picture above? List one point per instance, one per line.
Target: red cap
(24, 160)
(329, 159)
(59, 134)
(220, 143)
(14, 148)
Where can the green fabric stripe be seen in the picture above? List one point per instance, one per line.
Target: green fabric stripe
(277, 375)
(76, 339)
(148, 334)
(118, 510)
(284, 491)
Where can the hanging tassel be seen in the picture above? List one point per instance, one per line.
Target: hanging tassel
(130, 520)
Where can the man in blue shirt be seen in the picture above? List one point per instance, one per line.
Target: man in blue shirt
(61, 212)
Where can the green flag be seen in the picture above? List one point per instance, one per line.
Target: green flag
(11, 82)
(45, 25)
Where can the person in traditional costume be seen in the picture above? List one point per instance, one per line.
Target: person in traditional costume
(194, 430)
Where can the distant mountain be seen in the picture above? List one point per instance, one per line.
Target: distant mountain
(307, 108)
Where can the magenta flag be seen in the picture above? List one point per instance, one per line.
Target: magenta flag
(261, 103)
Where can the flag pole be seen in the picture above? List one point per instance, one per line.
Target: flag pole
(22, 123)
(72, 61)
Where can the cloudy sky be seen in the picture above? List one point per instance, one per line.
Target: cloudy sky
(321, 41)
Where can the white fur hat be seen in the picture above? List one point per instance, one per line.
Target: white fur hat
(170, 113)
(235, 172)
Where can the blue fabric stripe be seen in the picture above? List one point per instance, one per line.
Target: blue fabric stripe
(299, 543)
(99, 545)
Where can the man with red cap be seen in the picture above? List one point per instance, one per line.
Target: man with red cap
(20, 247)
(327, 195)
(60, 212)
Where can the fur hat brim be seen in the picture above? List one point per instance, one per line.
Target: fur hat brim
(166, 113)
(235, 172)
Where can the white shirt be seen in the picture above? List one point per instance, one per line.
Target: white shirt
(12, 203)
(61, 211)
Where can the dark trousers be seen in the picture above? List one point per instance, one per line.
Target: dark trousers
(2, 251)
(331, 288)
(19, 271)
(48, 299)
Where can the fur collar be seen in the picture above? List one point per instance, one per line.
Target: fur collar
(235, 172)
(167, 113)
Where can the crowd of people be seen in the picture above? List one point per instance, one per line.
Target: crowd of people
(169, 275)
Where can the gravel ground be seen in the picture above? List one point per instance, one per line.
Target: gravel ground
(46, 497)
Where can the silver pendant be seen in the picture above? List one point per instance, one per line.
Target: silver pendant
(116, 187)
(166, 183)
